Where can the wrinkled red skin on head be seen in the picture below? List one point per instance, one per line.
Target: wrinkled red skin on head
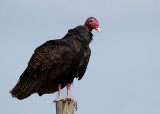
(88, 26)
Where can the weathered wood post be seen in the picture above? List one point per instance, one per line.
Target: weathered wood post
(65, 107)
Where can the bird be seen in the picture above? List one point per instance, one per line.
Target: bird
(56, 63)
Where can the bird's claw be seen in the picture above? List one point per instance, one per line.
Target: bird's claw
(59, 99)
(67, 99)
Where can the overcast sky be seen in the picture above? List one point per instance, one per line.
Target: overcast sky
(123, 75)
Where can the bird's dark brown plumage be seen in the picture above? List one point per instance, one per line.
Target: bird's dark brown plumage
(55, 62)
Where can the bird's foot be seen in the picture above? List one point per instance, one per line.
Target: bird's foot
(67, 99)
(59, 99)
(71, 99)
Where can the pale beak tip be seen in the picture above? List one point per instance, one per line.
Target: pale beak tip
(98, 29)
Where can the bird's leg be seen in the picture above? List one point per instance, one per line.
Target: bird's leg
(68, 98)
(59, 92)
(68, 91)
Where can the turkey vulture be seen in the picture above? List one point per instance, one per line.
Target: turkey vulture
(56, 63)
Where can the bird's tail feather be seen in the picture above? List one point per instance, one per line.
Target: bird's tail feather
(20, 90)
(19, 94)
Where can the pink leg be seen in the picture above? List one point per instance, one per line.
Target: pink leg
(59, 92)
(68, 91)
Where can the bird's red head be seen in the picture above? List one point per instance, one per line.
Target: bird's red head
(91, 23)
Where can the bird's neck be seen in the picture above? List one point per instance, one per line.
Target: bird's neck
(88, 28)
(84, 35)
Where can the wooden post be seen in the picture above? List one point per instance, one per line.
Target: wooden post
(66, 107)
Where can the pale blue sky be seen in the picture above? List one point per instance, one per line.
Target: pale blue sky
(123, 75)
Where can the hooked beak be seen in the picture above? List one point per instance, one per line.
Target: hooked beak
(98, 29)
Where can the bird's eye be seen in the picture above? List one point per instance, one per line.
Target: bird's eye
(91, 22)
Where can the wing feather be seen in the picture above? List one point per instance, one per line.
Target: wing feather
(49, 61)
(83, 68)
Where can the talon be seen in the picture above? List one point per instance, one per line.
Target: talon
(59, 99)
(67, 99)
